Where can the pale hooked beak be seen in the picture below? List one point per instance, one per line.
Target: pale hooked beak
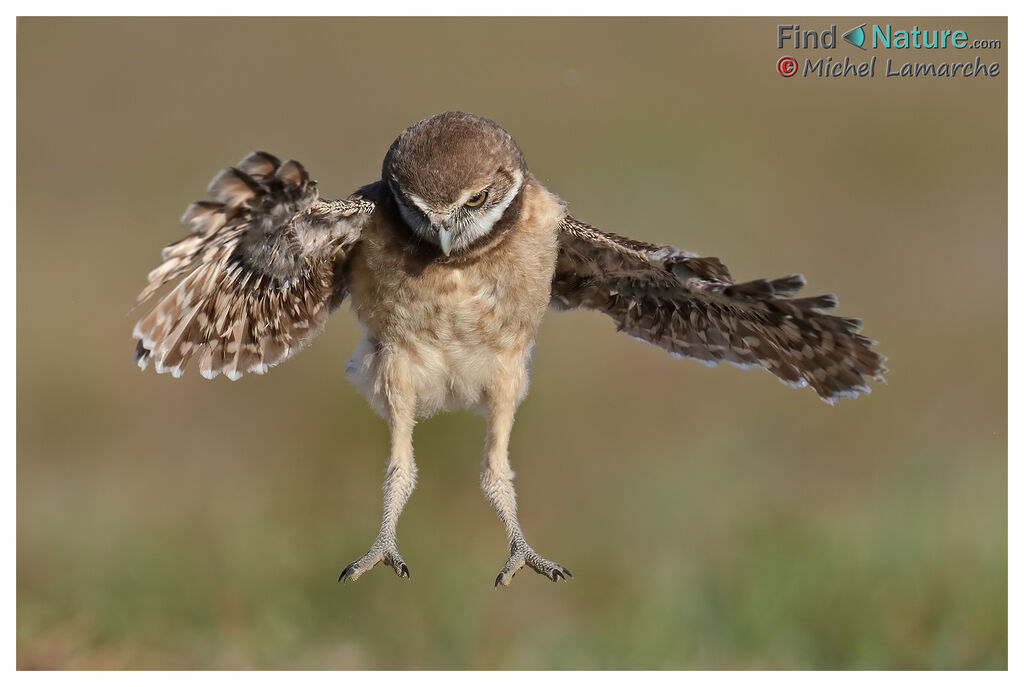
(445, 238)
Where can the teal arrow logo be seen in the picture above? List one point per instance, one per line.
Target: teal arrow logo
(855, 36)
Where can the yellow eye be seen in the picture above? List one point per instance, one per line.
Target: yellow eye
(477, 200)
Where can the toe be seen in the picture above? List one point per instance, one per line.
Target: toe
(504, 578)
(354, 570)
(549, 569)
(394, 559)
(511, 567)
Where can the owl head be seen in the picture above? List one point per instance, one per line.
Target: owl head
(453, 176)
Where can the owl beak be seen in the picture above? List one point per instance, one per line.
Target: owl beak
(445, 238)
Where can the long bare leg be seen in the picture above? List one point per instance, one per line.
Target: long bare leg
(496, 481)
(398, 486)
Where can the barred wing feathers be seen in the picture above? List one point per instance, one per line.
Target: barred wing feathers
(690, 306)
(259, 266)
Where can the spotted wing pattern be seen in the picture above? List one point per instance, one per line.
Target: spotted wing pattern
(690, 306)
(262, 272)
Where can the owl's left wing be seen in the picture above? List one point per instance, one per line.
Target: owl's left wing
(689, 306)
(264, 267)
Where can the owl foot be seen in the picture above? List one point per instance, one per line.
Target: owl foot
(523, 555)
(377, 553)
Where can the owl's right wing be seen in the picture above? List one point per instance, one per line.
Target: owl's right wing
(690, 306)
(264, 267)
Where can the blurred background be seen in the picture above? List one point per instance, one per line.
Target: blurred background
(713, 518)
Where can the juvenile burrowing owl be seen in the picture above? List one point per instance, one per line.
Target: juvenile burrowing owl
(451, 260)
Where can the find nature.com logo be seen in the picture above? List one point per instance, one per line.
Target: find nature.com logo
(792, 37)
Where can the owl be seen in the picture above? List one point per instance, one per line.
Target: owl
(450, 261)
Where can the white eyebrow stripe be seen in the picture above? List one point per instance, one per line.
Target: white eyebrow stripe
(421, 204)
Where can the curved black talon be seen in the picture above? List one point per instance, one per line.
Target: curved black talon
(405, 571)
(556, 574)
(566, 571)
(344, 573)
(497, 581)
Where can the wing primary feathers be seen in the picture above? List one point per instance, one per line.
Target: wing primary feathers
(690, 306)
(233, 187)
(259, 164)
(262, 264)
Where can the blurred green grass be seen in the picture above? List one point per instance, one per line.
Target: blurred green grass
(713, 518)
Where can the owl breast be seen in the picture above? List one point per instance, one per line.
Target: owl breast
(450, 333)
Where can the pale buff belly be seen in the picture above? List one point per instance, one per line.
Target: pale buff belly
(445, 347)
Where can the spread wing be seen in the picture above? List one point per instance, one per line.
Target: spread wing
(262, 270)
(690, 306)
